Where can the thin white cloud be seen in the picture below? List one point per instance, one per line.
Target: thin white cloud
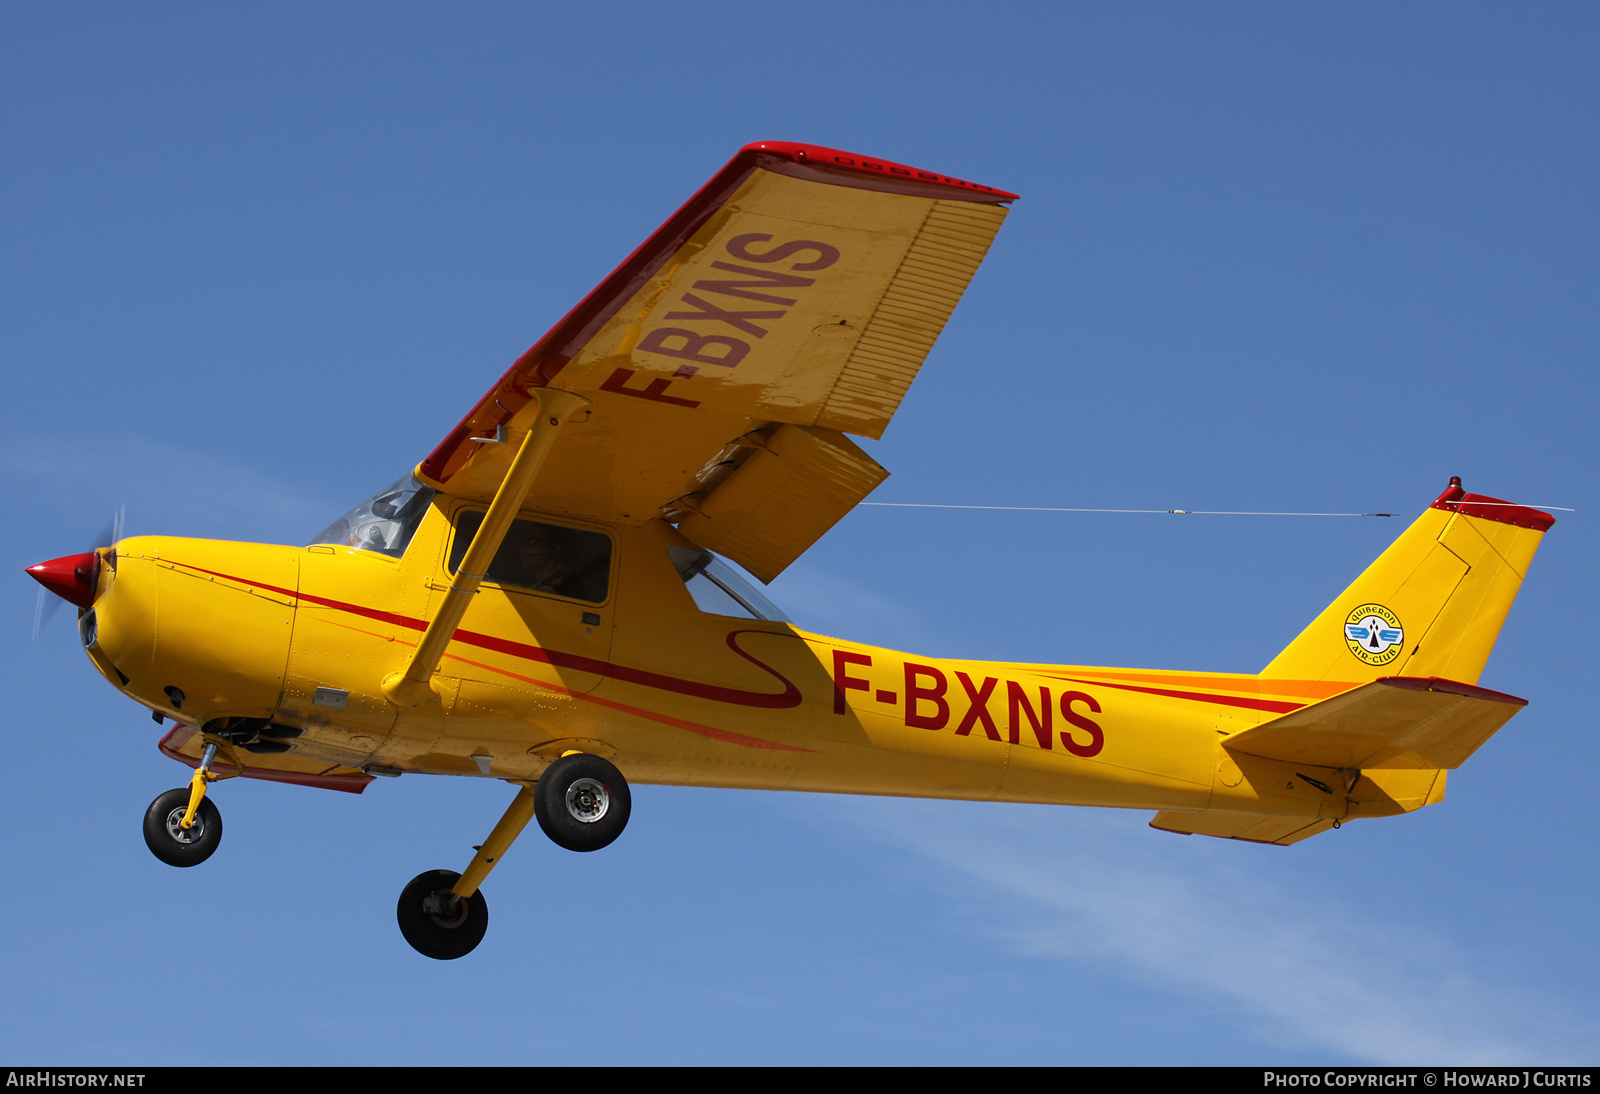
(1309, 966)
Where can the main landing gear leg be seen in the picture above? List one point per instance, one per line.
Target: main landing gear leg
(441, 913)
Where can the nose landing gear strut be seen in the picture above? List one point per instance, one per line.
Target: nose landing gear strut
(182, 827)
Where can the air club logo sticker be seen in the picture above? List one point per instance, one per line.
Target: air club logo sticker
(1374, 634)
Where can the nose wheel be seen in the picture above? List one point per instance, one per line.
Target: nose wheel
(170, 841)
(183, 827)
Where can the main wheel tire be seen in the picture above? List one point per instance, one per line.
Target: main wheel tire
(582, 802)
(436, 926)
(173, 844)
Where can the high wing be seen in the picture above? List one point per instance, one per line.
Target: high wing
(789, 302)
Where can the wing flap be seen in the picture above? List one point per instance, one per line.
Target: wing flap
(1395, 722)
(782, 498)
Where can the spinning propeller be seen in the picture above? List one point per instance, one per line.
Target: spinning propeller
(72, 577)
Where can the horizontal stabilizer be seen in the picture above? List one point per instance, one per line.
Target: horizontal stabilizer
(1279, 830)
(1395, 722)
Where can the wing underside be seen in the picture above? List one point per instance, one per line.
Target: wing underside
(790, 302)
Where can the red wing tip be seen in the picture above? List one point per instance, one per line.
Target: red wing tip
(1451, 687)
(816, 155)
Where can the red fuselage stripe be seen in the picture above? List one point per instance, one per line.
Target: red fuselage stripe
(639, 712)
(790, 697)
(1273, 705)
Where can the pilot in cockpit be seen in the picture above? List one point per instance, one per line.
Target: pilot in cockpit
(547, 562)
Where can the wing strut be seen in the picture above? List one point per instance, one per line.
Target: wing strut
(410, 687)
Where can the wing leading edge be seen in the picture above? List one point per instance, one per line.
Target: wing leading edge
(789, 302)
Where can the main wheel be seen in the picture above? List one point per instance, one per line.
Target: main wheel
(438, 923)
(582, 802)
(170, 841)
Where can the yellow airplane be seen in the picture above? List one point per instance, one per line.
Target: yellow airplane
(540, 601)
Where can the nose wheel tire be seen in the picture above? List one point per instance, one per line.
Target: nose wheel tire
(436, 922)
(582, 802)
(174, 844)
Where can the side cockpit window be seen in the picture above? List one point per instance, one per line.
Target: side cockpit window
(542, 558)
(384, 522)
(718, 590)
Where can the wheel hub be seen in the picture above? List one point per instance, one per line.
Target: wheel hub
(183, 835)
(445, 908)
(587, 801)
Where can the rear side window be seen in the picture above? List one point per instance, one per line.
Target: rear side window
(542, 558)
(717, 590)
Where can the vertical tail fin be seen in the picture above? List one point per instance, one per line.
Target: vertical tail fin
(1432, 604)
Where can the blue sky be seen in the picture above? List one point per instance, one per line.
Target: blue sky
(258, 261)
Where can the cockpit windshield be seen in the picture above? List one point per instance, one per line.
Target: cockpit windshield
(384, 522)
